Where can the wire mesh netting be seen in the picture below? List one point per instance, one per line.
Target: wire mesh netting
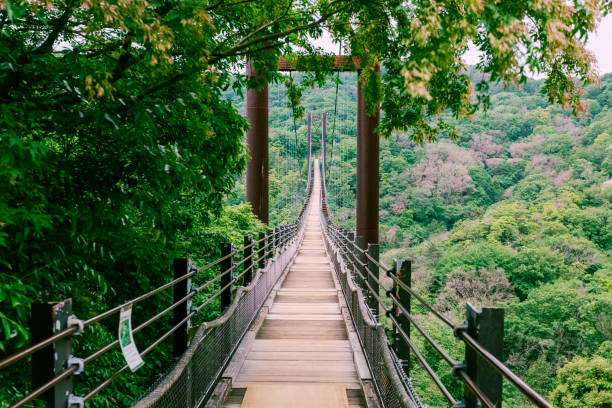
(196, 374)
(393, 388)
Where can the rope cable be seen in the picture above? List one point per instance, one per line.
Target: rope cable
(335, 113)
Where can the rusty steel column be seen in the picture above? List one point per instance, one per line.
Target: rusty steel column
(323, 140)
(309, 142)
(367, 171)
(257, 143)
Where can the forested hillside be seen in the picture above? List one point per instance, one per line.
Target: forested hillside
(516, 212)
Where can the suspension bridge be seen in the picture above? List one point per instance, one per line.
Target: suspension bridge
(305, 320)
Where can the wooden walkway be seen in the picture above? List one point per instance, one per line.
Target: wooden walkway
(302, 344)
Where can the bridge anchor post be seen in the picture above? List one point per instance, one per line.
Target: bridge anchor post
(403, 272)
(261, 252)
(47, 320)
(486, 326)
(373, 278)
(226, 279)
(248, 257)
(180, 337)
(270, 250)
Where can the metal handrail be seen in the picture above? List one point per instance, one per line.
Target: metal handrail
(342, 242)
(288, 235)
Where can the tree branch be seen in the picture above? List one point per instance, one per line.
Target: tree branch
(58, 27)
(276, 36)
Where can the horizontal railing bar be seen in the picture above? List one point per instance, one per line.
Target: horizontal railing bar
(378, 263)
(376, 296)
(63, 375)
(376, 279)
(425, 365)
(36, 347)
(117, 373)
(429, 307)
(449, 360)
(505, 371)
(215, 262)
(481, 396)
(109, 346)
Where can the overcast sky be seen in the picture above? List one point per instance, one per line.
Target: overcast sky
(600, 44)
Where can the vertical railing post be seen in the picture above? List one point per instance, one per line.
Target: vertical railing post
(261, 253)
(360, 272)
(486, 326)
(47, 320)
(283, 235)
(180, 338)
(373, 251)
(403, 272)
(270, 249)
(248, 257)
(226, 268)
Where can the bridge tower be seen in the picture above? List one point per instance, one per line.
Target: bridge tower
(257, 193)
(368, 156)
(368, 161)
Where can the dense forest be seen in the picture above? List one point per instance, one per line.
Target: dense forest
(517, 212)
(122, 148)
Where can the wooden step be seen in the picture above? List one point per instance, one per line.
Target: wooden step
(302, 330)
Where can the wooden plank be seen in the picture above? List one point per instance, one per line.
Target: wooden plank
(307, 298)
(301, 329)
(301, 366)
(306, 291)
(299, 308)
(348, 384)
(288, 316)
(302, 355)
(297, 335)
(309, 377)
(296, 396)
(300, 345)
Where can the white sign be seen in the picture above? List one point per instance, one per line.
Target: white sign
(126, 339)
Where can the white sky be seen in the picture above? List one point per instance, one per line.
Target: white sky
(600, 44)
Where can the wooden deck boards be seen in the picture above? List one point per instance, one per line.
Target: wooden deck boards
(303, 340)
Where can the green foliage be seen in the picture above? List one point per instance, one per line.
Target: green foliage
(585, 382)
(487, 192)
(533, 267)
(548, 234)
(557, 321)
(118, 145)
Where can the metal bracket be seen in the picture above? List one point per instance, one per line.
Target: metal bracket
(460, 328)
(73, 321)
(74, 400)
(459, 404)
(72, 360)
(458, 367)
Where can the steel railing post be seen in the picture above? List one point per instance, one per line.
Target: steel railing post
(270, 249)
(373, 251)
(261, 253)
(47, 320)
(360, 243)
(486, 326)
(248, 260)
(180, 338)
(226, 269)
(277, 237)
(403, 271)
